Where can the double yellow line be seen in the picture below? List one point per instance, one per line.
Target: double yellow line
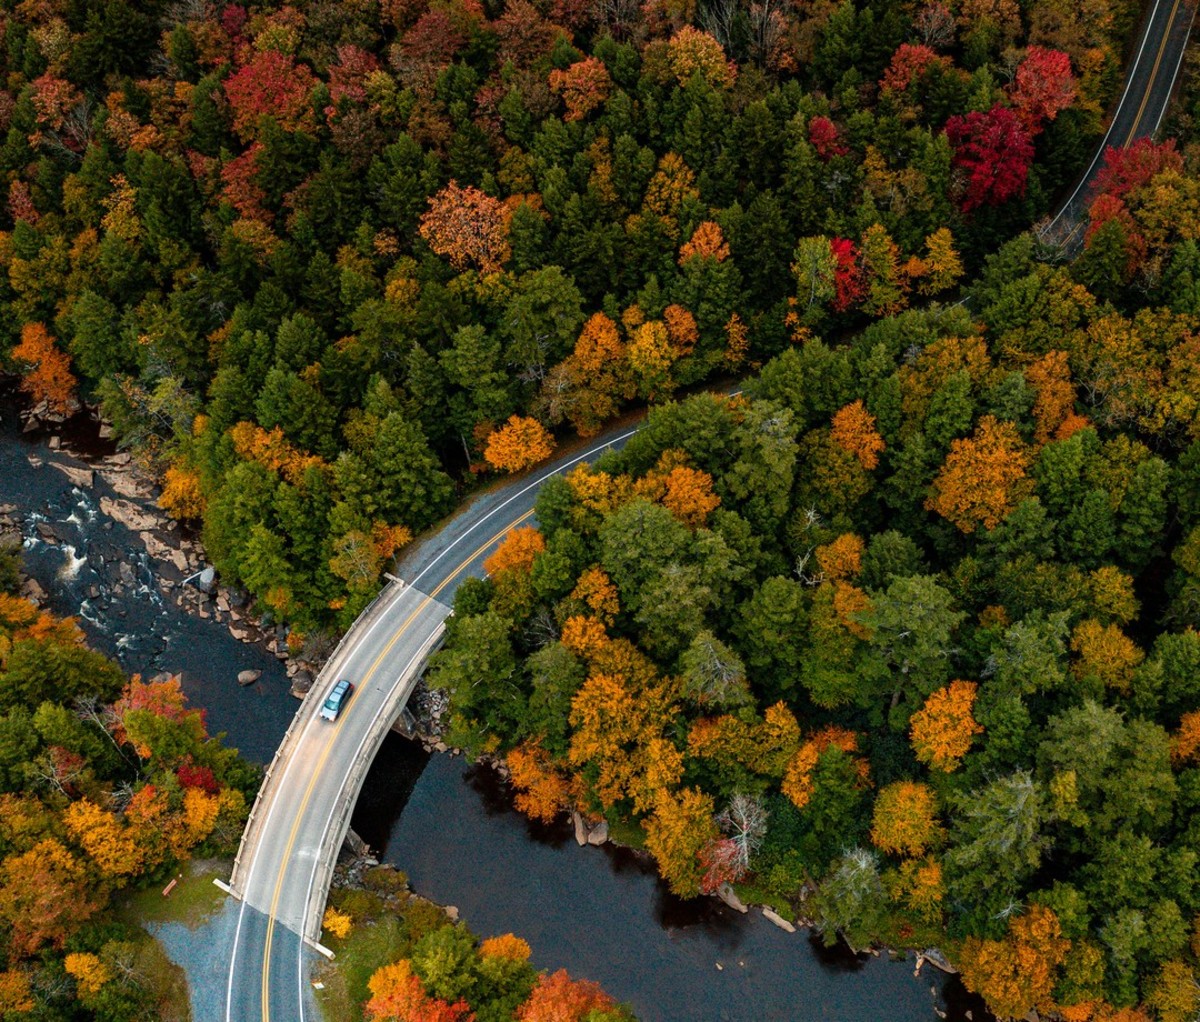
(1162, 48)
(287, 855)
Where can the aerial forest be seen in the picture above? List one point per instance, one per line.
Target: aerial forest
(888, 615)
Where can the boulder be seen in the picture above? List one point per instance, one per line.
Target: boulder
(32, 591)
(777, 919)
(34, 460)
(222, 601)
(82, 477)
(46, 531)
(452, 913)
(179, 559)
(155, 547)
(598, 835)
(249, 677)
(54, 443)
(207, 581)
(302, 681)
(128, 514)
(105, 432)
(727, 895)
(241, 634)
(581, 833)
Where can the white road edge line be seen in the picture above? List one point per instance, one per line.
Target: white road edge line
(237, 934)
(312, 878)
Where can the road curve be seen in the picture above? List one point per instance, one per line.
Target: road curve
(1149, 82)
(298, 823)
(283, 869)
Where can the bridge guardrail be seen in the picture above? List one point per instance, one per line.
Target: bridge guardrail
(323, 874)
(304, 713)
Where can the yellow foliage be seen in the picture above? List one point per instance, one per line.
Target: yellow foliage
(15, 992)
(507, 946)
(181, 495)
(798, 783)
(1105, 652)
(542, 791)
(111, 845)
(680, 826)
(337, 923)
(596, 591)
(854, 432)
(584, 636)
(983, 477)
(904, 820)
(89, 971)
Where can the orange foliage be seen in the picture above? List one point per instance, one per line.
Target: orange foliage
(468, 227)
(519, 443)
(616, 717)
(542, 792)
(1105, 652)
(15, 992)
(798, 784)
(583, 86)
(681, 329)
(1050, 377)
(45, 895)
(688, 495)
(706, 242)
(517, 551)
(397, 995)
(48, 377)
(270, 449)
(841, 559)
(508, 946)
(387, 539)
(1016, 974)
(1185, 743)
(942, 730)
(181, 495)
(337, 923)
(558, 998)
(162, 698)
(596, 591)
(848, 602)
(584, 636)
(904, 821)
(983, 477)
(110, 844)
(854, 432)
(918, 884)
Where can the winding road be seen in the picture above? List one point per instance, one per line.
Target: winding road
(300, 818)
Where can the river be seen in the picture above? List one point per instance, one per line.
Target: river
(601, 913)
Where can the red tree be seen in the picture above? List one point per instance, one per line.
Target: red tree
(850, 285)
(271, 84)
(823, 137)
(1044, 86)
(1127, 169)
(994, 150)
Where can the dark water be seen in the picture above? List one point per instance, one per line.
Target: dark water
(601, 913)
(129, 618)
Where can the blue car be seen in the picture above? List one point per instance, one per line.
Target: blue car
(338, 698)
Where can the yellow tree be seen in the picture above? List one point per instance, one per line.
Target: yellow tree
(983, 477)
(841, 559)
(679, 828)
(109, 843)
(468, 227)
(596, 591)
(904, 821)
(1105, 652)
(942, 730)
(542, 791)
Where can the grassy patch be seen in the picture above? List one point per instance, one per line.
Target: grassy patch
(192, 901)
(627, 832)
(345, 979)
(752, 894)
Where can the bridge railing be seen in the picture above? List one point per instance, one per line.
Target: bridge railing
(336, 833)
(308, 707)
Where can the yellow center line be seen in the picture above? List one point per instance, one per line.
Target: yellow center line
(1162, 48)
(466, 563)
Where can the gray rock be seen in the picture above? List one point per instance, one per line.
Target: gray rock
(452, 913)
(54, 443)
(34, 460)
(46, 531)
(207, 580)
(777, 919)
(727, 895)
(302, 681)
(32, 591)
(581, 833)
(105, 432)
(598, 835)
(247, 677)
(82, 477)
(179, 559)
(128, 514)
